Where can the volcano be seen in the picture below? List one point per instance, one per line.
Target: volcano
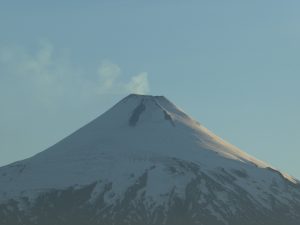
(146, 162)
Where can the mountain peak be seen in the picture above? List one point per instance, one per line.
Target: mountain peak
(142, 156)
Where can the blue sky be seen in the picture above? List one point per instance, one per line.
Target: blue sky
(232, 65)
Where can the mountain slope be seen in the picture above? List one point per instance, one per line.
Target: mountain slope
(145, 161)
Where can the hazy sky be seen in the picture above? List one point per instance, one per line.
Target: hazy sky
(232, 65)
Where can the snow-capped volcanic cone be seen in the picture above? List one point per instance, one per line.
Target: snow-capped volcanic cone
(142, 162)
